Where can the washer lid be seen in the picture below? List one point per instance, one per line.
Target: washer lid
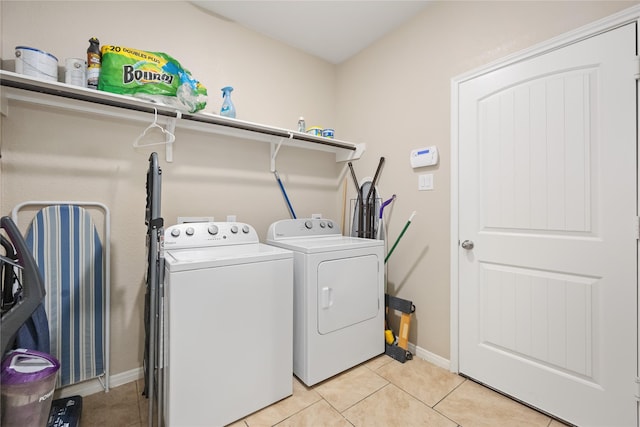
(197, 258)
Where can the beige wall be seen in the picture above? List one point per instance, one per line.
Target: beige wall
(52, 154)
(394, 96)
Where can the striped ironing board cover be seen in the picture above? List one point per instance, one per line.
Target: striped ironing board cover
(67, 248)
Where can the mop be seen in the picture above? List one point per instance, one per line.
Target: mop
(398, 349)
(380, 234)
(360, 203)
(284, 193)
(400, 236)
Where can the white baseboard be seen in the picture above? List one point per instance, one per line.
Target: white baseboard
(430, 357)
(93, 386)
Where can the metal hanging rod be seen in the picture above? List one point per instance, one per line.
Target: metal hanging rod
(60, 90)
(87, 97)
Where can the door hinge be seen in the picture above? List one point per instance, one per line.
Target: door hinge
(637, 228)
(637, 396)
(636, 61)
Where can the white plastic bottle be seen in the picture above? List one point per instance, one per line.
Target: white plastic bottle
(228, 109)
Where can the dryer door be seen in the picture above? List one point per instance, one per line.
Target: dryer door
(348, 292)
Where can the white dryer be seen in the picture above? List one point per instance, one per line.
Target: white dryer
(338, 297)
(228, 313)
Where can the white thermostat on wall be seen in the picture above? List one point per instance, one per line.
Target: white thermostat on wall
(426, 156)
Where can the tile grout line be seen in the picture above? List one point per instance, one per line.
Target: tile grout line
(399, 387)
(444, 397)
(294, 413)
(449, 394)
(322, 398)
(361, 400)
(417, 398)
(138, 395)
(433, 408)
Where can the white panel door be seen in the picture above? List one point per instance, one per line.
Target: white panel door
(547, 195)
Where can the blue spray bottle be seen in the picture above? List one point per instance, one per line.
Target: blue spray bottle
(228, 109)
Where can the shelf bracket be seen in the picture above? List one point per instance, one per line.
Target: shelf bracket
(274, 151)
(344, 156)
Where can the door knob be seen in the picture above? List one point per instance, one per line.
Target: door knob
(467, 244)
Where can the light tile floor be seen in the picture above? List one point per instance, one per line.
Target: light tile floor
(380, 392)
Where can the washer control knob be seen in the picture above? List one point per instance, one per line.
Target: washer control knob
(213, 229)
(234, 229)
(245, 229)
(322, 224)
(308, 224)
(175, 232)
(329, 224)
(190, 231)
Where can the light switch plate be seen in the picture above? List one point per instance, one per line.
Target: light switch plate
(425, 182)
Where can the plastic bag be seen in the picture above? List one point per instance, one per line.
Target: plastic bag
(154, 76)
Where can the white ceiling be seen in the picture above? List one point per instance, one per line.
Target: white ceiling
(331, 30)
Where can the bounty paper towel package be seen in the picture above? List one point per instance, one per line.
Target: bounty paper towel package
(155, 76)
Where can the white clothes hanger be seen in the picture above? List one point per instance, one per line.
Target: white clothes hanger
(170, 137)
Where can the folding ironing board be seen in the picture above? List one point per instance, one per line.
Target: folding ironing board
(74, 264)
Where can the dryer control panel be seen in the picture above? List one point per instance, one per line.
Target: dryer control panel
(303, 227)
(204, 234)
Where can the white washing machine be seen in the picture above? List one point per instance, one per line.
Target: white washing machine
(338, 297)
(228, 322)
